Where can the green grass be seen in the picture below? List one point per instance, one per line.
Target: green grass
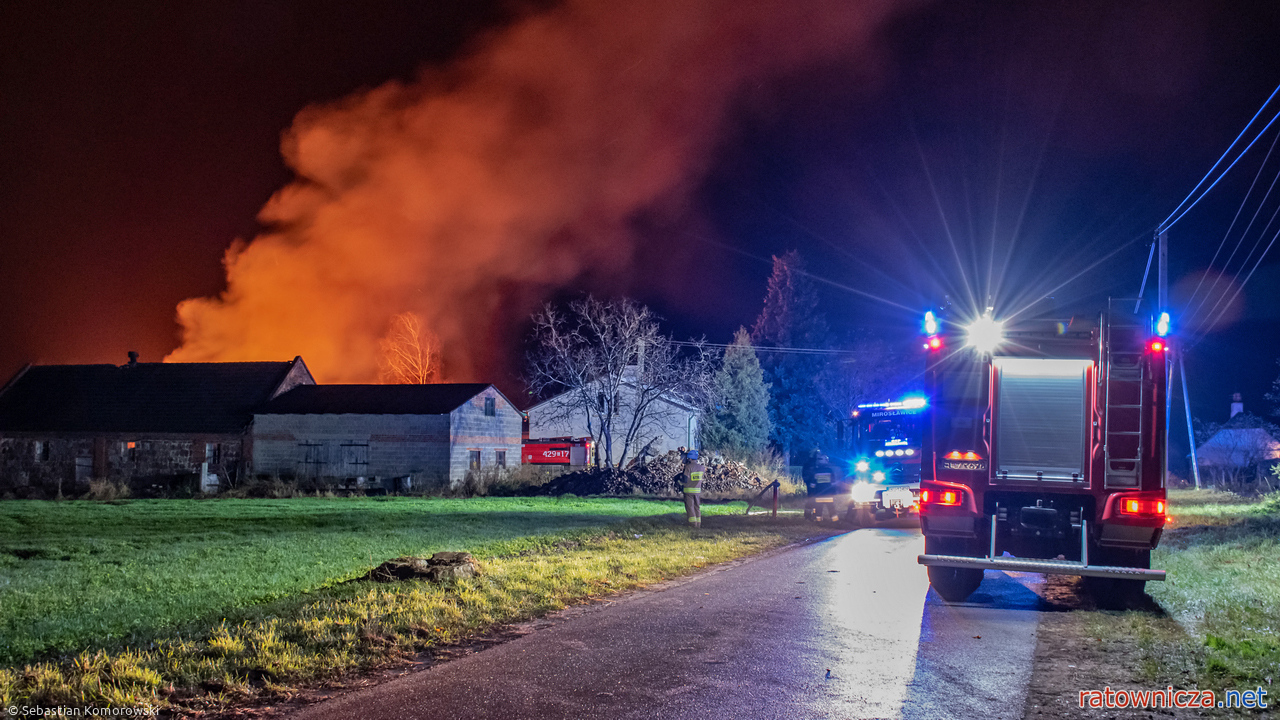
(76, 575)
(535, 556)
(1222, 553)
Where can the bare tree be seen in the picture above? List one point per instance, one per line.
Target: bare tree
(606, 362)
(410, 353)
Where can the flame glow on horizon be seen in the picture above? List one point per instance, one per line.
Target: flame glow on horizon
(470, 195)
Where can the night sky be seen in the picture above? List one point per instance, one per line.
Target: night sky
(914, 151)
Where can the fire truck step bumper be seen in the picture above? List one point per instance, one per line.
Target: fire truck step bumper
(1048, 567)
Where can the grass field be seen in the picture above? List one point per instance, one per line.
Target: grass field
(202, 602)
(81, 574)
(1222, 554)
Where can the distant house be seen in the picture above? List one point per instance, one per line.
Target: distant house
(1238, 453)
(143, 423)
(672, 423)
(395, 437)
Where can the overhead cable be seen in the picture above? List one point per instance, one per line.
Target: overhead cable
(1169, 221)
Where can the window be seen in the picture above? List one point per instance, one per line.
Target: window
(475, 459)
(500, 458)
(41, 451)
(490, 407)
(213, 453)
(84, 468)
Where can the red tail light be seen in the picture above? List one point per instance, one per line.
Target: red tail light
(944, 497)
(1158, 346)
(1136, 506)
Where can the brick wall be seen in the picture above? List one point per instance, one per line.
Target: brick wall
(472, 430)
(40, 465)
(350, 446)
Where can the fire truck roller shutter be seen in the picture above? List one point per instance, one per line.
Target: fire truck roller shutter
(1040, 428)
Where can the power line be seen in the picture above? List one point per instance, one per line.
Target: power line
(1169, 221)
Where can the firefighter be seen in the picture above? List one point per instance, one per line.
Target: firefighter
(691, 476)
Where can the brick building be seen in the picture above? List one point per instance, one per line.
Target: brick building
(158, 425)
(395, 437)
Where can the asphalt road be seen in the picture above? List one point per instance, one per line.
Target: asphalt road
(843, 628)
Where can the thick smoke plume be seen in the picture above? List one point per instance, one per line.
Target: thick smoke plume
(470, 195)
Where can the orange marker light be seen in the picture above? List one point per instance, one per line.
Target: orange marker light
(1136, 506)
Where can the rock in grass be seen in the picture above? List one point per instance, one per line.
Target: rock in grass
(439, 567)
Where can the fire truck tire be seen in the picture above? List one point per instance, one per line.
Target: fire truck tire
(952, 584)
(829, 513)
(1114, 593)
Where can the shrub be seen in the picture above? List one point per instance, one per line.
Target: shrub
(107, 490)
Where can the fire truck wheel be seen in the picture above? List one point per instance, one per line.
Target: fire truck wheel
(1114, 593)
(952, 584)
(829, 513)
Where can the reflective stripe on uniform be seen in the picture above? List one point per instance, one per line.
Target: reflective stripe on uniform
(693, 490)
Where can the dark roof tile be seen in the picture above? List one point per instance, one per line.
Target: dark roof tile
(438, 399)
(142, 397)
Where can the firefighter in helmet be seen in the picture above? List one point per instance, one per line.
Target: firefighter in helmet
(691, 476)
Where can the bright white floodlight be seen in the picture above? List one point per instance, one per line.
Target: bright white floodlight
(986, 334)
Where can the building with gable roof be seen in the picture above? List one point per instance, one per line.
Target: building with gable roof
(391, 437)
(148, 424)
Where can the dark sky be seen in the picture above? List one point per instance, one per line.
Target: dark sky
(998, 146)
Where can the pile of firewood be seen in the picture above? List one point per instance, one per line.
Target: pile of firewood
(657, 477)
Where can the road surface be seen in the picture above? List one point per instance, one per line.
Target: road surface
(843, 628)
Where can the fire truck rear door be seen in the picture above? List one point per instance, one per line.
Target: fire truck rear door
(1040, 419)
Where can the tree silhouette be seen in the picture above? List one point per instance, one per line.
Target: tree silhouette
(410, 353)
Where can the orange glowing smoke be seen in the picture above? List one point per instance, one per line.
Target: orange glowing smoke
(469, 195)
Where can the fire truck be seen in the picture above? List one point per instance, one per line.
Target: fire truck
(1044, 450)
(886, 467)
(556, 451)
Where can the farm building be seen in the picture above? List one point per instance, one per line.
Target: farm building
(396, 437)
(157, 425)
(670, 423)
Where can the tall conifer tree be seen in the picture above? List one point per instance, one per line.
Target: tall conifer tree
(738, 425)
(790, 320)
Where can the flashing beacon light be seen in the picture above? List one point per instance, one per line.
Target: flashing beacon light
(1162, 325)
(1158, 345)
(930, 323)
(986, 333)
(935, 343)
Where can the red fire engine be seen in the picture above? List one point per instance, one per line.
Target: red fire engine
(1044, 450)
(556, 451)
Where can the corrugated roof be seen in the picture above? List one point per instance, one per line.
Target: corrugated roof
(438, 399)
(142, 397)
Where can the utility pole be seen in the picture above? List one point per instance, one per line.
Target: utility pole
(1162, 305)
(1162, 295)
